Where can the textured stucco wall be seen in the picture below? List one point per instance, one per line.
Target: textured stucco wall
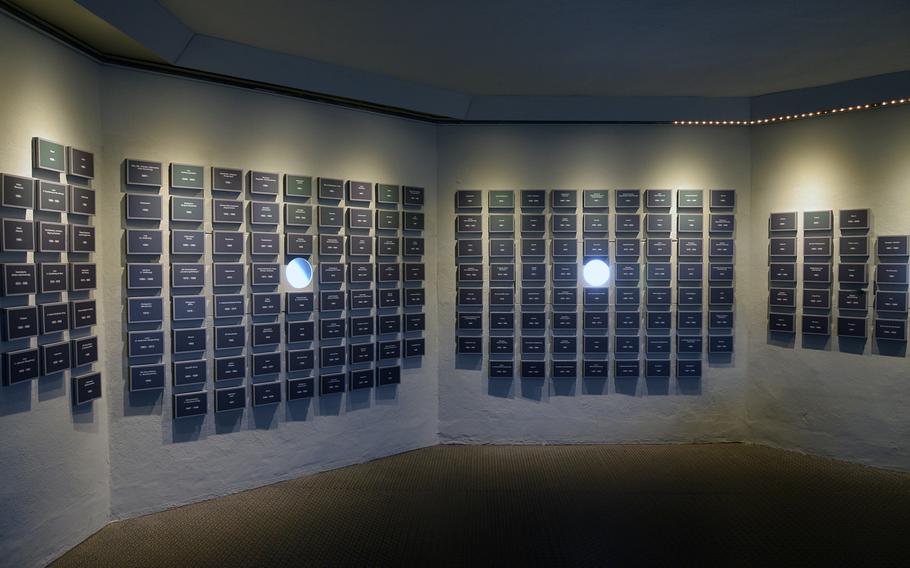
(54, 458)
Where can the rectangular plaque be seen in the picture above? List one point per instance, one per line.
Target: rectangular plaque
(54, 318)
(657, 344)
(297, 215)
(817, 246)
(330, 188)
(388, 375)
(263, 183)
(17, 191)
(227, 179)
(48, 155)
(148, 309)
(267, 304)
(52, 197)
(331, 384)
(146, 377)
(595, 198)
(782, 246)
(145, 343)
(469, 345)
(468, 198)
(783, 222)
(891, 301)
(80, 163)
(359, 245)
(189, 372)
(300, 331)
(388, 324)
(387, 194)
(228, 399)
(228, 305)
(891, 330)
(628, 223)
(895, 274)
(690, 199)
(266, 334)
(723, 198)
(230, 368)
(300, 388)
(188, 340)
(83, 313)
(628, 198)
(720, 272)
(18, 235)
(851, 299)
(84, 351)
(818, 299)
(265, 364)
(187, 176)
(360, 218)
(82, 200)
(596, 247)
(533, 369)
(187, 242)
(264, 243)
(657, 369)
(689, 344)
(721, 295)
(187, 275)
(854, 219)
(52, 277)
(228, 273)
(412, 196)
(140, 206)
(298, 186)
(782, 272)
(389, 246)
(143, 173)
(658, 297)
(361, 378)
(781, 323)
(658, 198)
(86, 388)
(854, 246)
(21, 365)
(533, 198)
(595, 369)
(851, 327)
(628, 248)
(298, 244)
(264, 213)
(818, 220)
(564, 198)
(533, 346)
(187, 405)
(299, 302)
(227, 211)
(187, 308)
(297, 360)
(817, 273)
(141, 241)
(360, 191)
(18, 279)
(187, 208)
(501, 199)
(686, 369)
(501, 369)
(624, 369)
(892, 246)
(331, 216)
(852, 273)
(690, 223)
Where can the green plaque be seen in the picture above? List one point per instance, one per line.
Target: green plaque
(502, 199)
(596, 198)
(386, 193)
(298, 186)
(690, 198)
(49, 156)
(502, 223)
(185, 176)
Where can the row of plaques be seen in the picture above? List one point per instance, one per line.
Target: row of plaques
(686, 247)
(594, 223)
(630, 321)
(53, 197)
(594, 198)
(596, 369)
(855, 327)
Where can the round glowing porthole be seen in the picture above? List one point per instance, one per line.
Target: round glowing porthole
(596, 272)
(299, 273)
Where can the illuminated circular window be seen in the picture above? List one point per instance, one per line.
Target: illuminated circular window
(299, 273)
(596, 272)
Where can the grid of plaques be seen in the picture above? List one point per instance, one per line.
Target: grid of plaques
(48, 273)
(364, 313)
(855, 288)
(528, 276)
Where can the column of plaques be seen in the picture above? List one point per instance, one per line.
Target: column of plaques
(818, 250)
(596, 300)
(564, 282)
(658, 277)
(533, 300)
(627, 228)
(721, 277)
(469, 273)
(782, 276)
(300, 305)
(413, 248)
(331, 270)
(853, 249)
(46, 243)
(891, 294)
(502, 281)
(144, 242)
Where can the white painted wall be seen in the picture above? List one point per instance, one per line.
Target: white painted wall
(473, 408)
(56, 476)
(831, 398)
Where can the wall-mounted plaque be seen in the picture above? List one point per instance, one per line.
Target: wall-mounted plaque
(626, 369)
(596, 223)
(659, 247)
(628, 198)
(891, 301)
(300, 388)
(533, 198)
(657, 297)
(388, 375)
(502, 272)
(230, 368)
(721, 223)
(501, 199)
(186, 307)
(360, 191)
(501, 369)
(689, 344)
(721, 248)
(658, 321)
(690, 223)
(851, 300)
(391, 272)
(298, 186)
(189, 372)
(595, 369)
(627, 273)
(595, 198)
(227, 211)
(817, 299)
(595, 344)
(414, 272)
(146, 309)
(892, 246)
(18, 235)
(851, 327)
(331, 328)
(331, 216)
(262, 365)
(690, 199)
(269, 333)
(854, 246)
(330, 188)
(470, 297)
(781, 323)
(297, 215)
(562, 345)
(782, 272)
(331, 245)
(187, 176)
(266, 304)
(361, 326)
(564, 248)
(596, 297)
(48, 155)
(565, 296)
(720, 272)
(628, 223)
(895, 274)
(228, 273)
(501, 296)
(560, 223)
(414, 297)
(689, 320)
(143, 173)
(818, 220)
(389, 246)
(187, 208)
(533, 297)
(297, 360)
(415, 246)
(300, 331)
(534, 247)
(299, 302)
(689, 296)
(360, 272)
(689, 272)
(360, 218)
(469, 345)
(817, 246)
(852, 273)
(783, 222)
(387, 220)
(263, 183)
(52, 197)
(657, 369)
(84, 350)
(533, 369)
(264, 243)
(687, 369)
(86, 388)
(188, 340)
(658, 198)
(596, 247)
(533, 223)
(187, 405)
(82, 200)
(360, 299)
(187, 242)
(388, 324)
(891, 330)
(415, 322)
(659, 271)
(228, 305)
(465, 223)
(52, 277)
(501, 223)
(83, 313)
(17, 191)
(720, 344)
(80, 163)
(533, 346)
(233, 398)
(146, 377)
(227, 179)
(53, 318)
(145, 343)
(564, 198)
(187, 275)
(782, 246)
(628, 248)
(137, 241)
(144, 276)
(265, 273)
(723, 198)
(565, 321)
(264, 213)
(656, 344)
(387, 194)
(361, 378)
(718, 320)
(18, 279)
(721, 295)
(854, 219)
(505, 345)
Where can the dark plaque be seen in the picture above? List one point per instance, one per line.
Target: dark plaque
(264, 213)
(186, 176)
(331, 328)
(415, 322)
(52, 277)
(817, 246)
(188, 275)
(230, 368)
(721, 223)
(414, 272)
(596, 247)
(659, 369)
(187, 308)
(361, 326)
(228, 273)
(781, 323)
(658, 198)
(266, 304)
(387, 220)
(82, 238)
(564, 198)
(227, 179)
(854, 246)
(299, 302)
(560, 223)
(628, 198)
(892, 246)
(143, 173)
(533, 369)
(628, 248)
(533, 346)
(658, 297)
(81, 163)
(413, 196)
(468, 198)
(533, 297)
(690, 223)
(331, 384)
(658, 271)
(595, 198)
(629, 320)
(296, 215)
(298, 360)
(187, 242)
(628, 223)
(264, 183)
(689, 296)
(887, 301)
(891, 330)
(659, 247)
(720, 320)
(533, 247)
(503, 321)
(783, 222)
(854, 218)
(658, 320)
(82, 200)
(18, 279)
(723, 198)
(21, 365)
(48, 155)
(657, 344)
(723, 248)
(782, 246)
(659, 222)
(630, 273)
(852, 273)
(360, 272)
(720, 344)
(388, 246)
(361, 379)
(624, 369)
(567, 321)
(360, 299)
(233, 398)
(466, 223)
(782, 272)
(388, 350)
(146, 377)
(595, 344)
(227, 211)
(264, 243)
(720, 272)
(298, 186)
(564, 369)
(360, 191)
(83, 313)
(470, 297)
(388, 324)
(264, 364)
(721, 295)
(360, 245)
(501, 199)
(266, 334)
(690, 198)
(851, 299)
(388, 375)
(391, 272)
(187, 405)
(386, 193)
(689, 344)
(300, 388)
(533, 198)
(468, 322)
(149, 309)
(140, 206)
(596, 297)
(501, 369)
(300, 331)
(818, 220)
(331, 216)
(564, 248)
(891, 274)
(86, 388)
(331, 273)
(190, 372)
(818, 299)
(229, 305)
(469, 345)
(52, 197)
(414, 246)
(688, 369)
(360, 218)
(187, 209)
(84, 351)
(139, 241)
(144, 276)
(851, 327)
(18, 235)
(330, 188)
(415, 297)
(227, 242)
(16, 191)
(144, 343)
(188, 340)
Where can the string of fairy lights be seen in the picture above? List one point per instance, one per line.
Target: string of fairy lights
(791, 117)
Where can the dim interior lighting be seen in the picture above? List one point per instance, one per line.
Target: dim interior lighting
(299, 273)
(788, 117)
(596, 272)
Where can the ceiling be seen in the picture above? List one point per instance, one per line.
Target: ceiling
(647, 58)
(586, 47)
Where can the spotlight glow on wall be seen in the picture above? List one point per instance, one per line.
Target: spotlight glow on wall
(299, 273)
(596, 273)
